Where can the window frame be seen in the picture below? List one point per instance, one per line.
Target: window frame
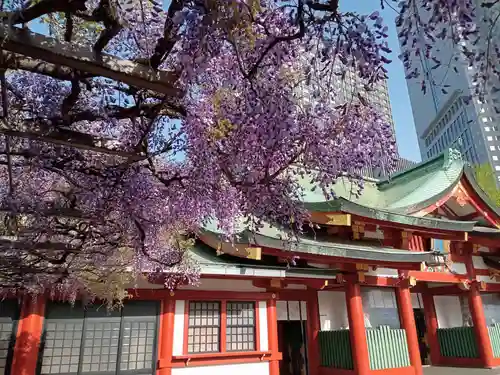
(219, 327)
(252, 326)
(223, 349)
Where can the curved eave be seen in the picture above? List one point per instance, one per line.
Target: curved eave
(432, 200)
(346, 206)
(331, 249)
(487, 232)
(210, 264)
(345, 251)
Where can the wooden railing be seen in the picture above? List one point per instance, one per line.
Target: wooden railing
(494, 332)
(457, 342)
(387, 348)
(335, 349)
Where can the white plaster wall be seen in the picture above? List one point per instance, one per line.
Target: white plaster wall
(224, 285)
(459, 268)
(478, 263)
(384, 272)
(448, 311)
(260, 368)
(332, 310)
(263, 332)
(179, 322)
(484, 249)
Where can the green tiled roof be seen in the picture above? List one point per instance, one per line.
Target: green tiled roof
(383, 214)
(209, 263)
(405, 192)
(393, 199)
(399, 196)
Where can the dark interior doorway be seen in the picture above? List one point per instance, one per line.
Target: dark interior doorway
(422, 337)
(292, 344)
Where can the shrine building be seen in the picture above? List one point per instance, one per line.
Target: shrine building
(405, 275)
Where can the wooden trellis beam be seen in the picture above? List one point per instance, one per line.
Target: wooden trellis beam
(83, 59)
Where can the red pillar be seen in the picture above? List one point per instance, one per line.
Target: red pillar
(313, 328)
(357, 332)
(408, 324)
(480, 328)
(431, 327)
(166, 337)
(272, 327)
(29, 334)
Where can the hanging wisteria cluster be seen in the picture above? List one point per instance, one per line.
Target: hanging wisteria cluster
(470, 27)
(102, 180)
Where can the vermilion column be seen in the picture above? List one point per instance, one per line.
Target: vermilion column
(480, 328)
(357, 332)
(29, 334)
(313, 328)
(408, 324)
(431, 323)
(166, 337)
(272, 326)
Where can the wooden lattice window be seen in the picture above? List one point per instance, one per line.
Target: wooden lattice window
(204, 327)
(240, 329)
(221, 326)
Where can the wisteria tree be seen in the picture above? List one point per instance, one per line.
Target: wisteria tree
(129, 124)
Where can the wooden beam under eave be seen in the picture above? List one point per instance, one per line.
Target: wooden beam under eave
(339, 219)
(437, 277)
(492, 243)
(339, 262)
(38, 46)
(446, 290)
(491, 288)
(459, 236)
(239, 250)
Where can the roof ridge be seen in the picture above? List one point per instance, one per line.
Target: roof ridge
(443, 160)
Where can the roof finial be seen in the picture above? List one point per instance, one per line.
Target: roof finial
(450, 156)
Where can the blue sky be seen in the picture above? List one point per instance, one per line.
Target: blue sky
(400, 102)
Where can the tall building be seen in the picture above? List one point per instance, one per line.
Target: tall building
(447, 114)
(378, 96)
(349, 86)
